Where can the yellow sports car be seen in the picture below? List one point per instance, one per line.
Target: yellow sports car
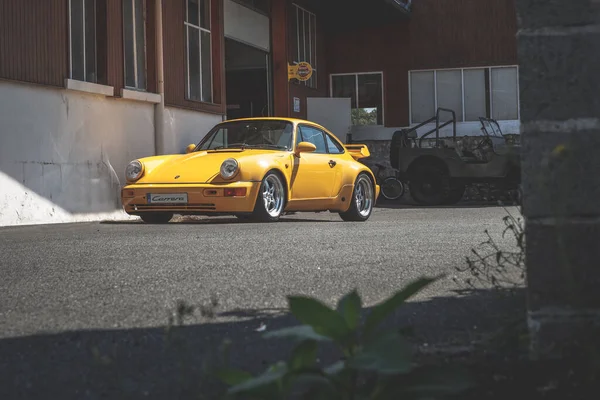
(254, 168)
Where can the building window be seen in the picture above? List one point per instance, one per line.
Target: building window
(198, 45)
(304, 24)
(83, 39)
(134, 42)
(490, 92)
(365, 91)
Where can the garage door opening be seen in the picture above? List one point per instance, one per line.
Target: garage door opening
(248, 83)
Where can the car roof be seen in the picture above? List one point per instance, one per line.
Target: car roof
(292, 120)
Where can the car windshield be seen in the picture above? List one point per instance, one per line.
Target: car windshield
(263, 134)
(491, 127)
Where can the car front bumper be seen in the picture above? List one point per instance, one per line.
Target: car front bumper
(236, 197)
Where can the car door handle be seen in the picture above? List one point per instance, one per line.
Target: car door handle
(332, 163)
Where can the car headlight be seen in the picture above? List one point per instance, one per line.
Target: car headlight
(229, 168)
(134, 170)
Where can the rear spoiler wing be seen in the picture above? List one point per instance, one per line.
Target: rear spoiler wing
(358, 151)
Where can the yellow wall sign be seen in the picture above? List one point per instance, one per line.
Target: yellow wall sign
(303, 71)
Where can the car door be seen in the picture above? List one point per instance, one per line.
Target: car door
(313, 175)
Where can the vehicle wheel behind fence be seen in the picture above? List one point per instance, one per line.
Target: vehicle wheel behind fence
(392, 188)
(156, 218)
(271, 199)
(363, 198)
(430, 185)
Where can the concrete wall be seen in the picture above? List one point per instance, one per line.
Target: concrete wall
(560, 111)
(63, 153)
(183, 127)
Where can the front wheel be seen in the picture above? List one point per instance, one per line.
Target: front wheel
(156, 218)
(363, 197)
(271, 199)
(392, 188)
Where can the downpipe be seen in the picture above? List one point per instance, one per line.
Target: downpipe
(159, 108)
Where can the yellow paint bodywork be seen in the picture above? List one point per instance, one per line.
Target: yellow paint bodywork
(311, 183)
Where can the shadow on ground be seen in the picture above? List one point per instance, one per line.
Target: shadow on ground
(143, 363)
(214, 220)
(410, 204)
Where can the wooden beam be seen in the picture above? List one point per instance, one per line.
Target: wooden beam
(279, 35)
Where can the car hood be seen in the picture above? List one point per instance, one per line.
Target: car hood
(197, 167)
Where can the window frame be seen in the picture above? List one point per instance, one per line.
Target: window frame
(488, 70)
(246, 3)
(312, 83)
(135, 53)
(356, 75)
(324, 133)
(186, 26)
(97, 81)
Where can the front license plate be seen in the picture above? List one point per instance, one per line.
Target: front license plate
(167, 198)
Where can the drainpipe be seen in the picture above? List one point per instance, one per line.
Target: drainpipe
(159, 109)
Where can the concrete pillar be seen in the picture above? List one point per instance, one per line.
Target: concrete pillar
(559, 58)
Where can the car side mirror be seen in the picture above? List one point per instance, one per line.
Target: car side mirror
(304, 147)
(190, 148)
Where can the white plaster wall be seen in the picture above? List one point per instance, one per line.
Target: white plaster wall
(333, 113)
(63, 153)
(246, 25)
(462, 128)
(184, 127)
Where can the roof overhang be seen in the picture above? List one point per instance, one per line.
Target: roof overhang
(349, 15)
(404, 6)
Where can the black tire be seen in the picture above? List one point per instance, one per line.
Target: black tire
(363, 188)
(157, 217)
(430, 185)
(456, 193)
(394, 188)
(273, 211)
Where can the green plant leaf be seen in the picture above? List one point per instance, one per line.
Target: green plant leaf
(349, 308)
(335, 369)
(270, 376)
(386, 354)
(233, 377)
(301, 332)
(304, 355)
(324, 320)
(382, 310)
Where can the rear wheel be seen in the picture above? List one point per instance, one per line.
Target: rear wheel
(363, 197)
(156, 218)
(392, 188)
(271, 199)
(456, 193)
(430, 185)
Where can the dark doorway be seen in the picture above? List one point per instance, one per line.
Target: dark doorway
(247, 81)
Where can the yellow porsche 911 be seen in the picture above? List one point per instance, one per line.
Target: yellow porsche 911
(257, 169)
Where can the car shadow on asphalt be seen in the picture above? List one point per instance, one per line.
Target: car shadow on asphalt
(148, 363)
(212, 221)
(396, 205)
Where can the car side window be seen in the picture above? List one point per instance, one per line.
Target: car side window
(333, 146)
(314, 136)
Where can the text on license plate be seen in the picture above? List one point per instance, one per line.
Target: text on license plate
(167, 198)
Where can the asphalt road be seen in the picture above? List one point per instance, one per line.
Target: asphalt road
(69, 290)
